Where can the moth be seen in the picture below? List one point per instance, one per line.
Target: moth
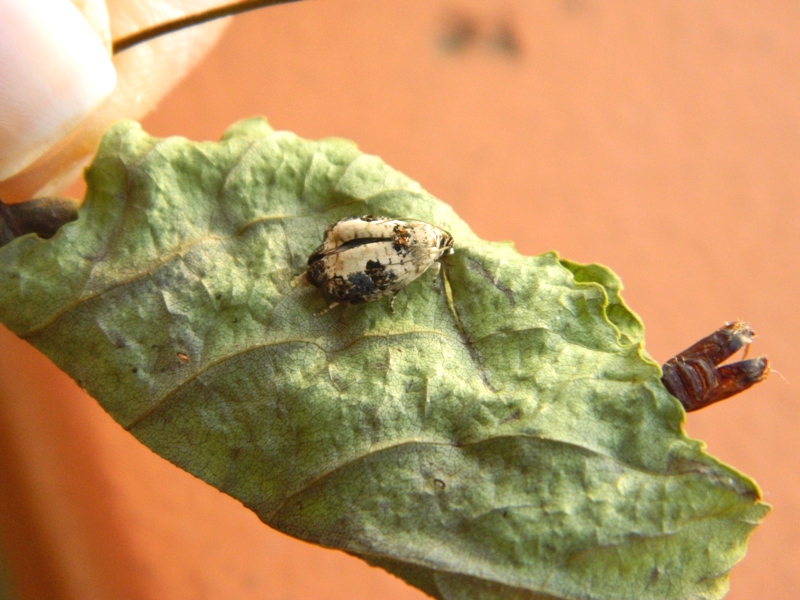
(362, 259)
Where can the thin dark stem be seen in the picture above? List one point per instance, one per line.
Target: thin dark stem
(190, 20)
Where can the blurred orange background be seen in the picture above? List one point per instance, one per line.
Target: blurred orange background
(661, 139)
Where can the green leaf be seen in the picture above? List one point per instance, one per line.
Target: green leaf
(525, 449)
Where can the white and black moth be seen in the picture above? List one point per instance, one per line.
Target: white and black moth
(365, 258)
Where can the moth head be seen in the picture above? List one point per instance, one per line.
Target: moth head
(445, 244)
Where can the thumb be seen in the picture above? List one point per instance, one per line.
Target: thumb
(144, 74)
(55, 71)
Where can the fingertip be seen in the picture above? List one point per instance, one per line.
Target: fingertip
(55, 71)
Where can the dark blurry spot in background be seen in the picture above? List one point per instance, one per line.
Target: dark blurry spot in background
(461, 31)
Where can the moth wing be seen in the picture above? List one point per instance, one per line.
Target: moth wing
(352, 228)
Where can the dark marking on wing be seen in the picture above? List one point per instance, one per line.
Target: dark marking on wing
(319, 253)
(380, 276)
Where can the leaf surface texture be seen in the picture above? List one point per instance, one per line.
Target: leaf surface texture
(517, 443)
